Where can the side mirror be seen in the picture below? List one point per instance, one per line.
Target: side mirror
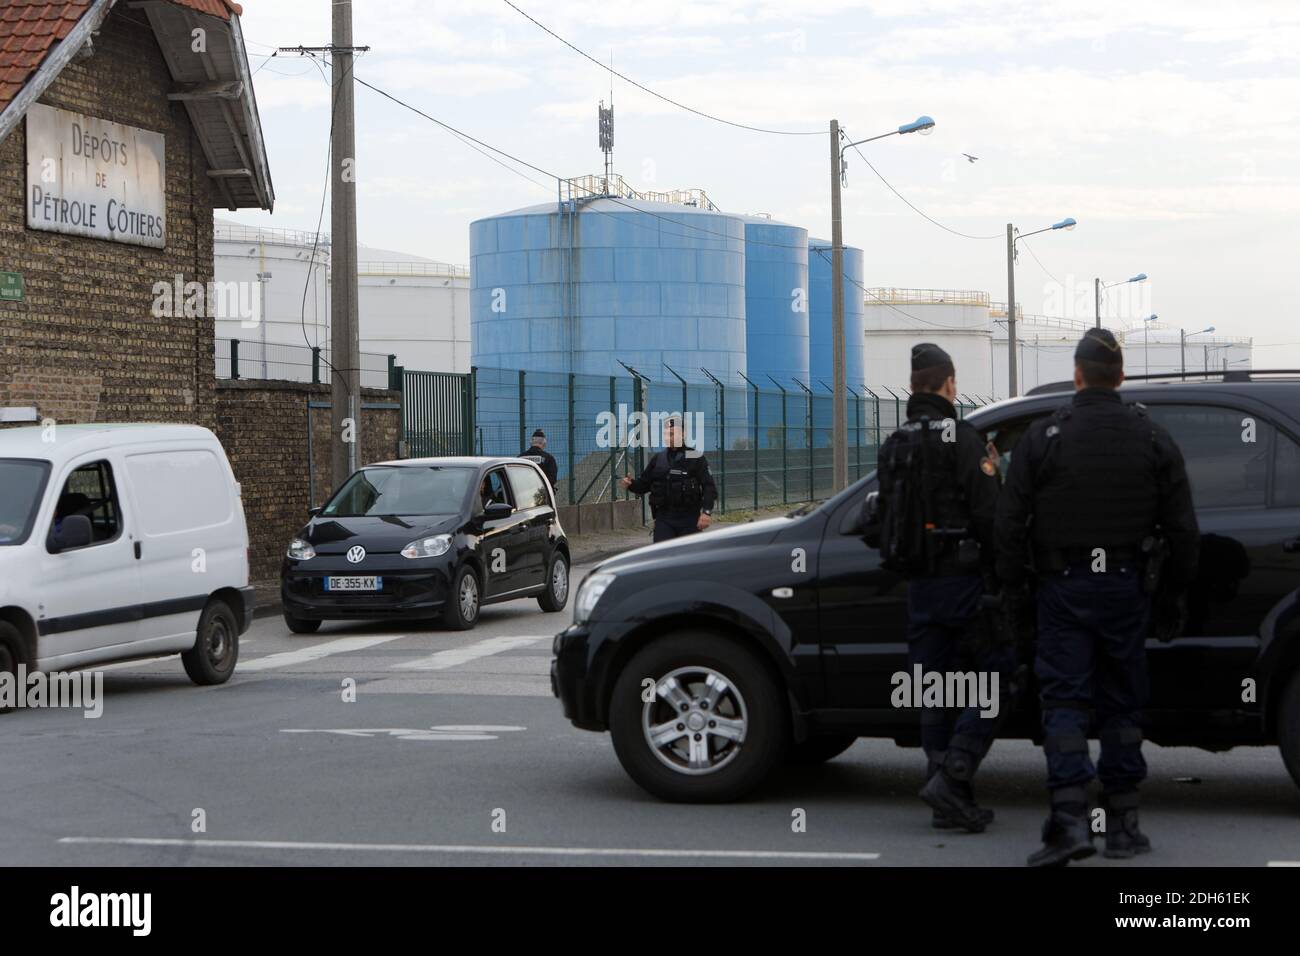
(76, 532)
(312, 512)
(869, 520)
(497, 509)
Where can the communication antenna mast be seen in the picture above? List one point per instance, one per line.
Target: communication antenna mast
(607, 128)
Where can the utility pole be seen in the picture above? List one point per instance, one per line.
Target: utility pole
(1012, 390)
(1182, 350)
(839, 424)
(1097, 293)
(345, 347)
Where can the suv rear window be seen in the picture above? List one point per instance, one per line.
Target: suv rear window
(1226, 450)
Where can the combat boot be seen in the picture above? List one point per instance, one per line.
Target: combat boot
(1066, 834)
(950, 794)
(1123, 838)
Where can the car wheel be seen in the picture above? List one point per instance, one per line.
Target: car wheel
(556, 594)
(215, 652)
(1288, 727)
(460, 613)
(300, 625)
(819, 749)
(715, 728)
(11, 653)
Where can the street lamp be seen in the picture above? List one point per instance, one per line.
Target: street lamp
(1146, 342)
(1012, 238)
(1099, 288)
(839, 423)
(1183, 336)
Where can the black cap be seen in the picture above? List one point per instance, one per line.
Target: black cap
(928, 355)
(539, 434)
(1099, 345)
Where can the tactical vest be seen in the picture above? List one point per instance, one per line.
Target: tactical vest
(674, 487)
(1096, 485)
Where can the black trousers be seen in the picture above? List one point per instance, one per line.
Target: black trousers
(674, 524)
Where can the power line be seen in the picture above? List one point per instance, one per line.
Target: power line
(646, 89)
(916, 209)
(1049, 275)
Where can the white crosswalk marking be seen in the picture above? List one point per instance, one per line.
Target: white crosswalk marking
(343, 645)
(443, 660)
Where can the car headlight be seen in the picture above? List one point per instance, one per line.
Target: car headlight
(428, 547)
(593, 586)
(300, 550)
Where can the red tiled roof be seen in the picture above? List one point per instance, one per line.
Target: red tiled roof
(30, 28)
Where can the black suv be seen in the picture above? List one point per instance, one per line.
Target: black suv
(713, 658)
(428, 537)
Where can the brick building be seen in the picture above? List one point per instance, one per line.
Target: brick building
(122, 125)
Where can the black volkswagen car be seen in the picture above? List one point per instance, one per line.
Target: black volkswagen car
(777, 640)
(426, 538)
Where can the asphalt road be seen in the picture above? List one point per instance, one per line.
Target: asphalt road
(454, 752)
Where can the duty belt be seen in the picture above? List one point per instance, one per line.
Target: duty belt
(1058, 559)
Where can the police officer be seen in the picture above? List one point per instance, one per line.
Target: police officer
(681, 488)
(936, 504)
(537, 452)
(1092, 491)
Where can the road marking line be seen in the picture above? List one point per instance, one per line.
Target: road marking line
(443, 660)
(480, 849)
(447, 732)
(1284, 862)
(342, 645)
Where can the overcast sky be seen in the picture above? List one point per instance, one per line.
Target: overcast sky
(1169, 129)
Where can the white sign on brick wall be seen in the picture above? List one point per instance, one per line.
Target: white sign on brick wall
(89, 177)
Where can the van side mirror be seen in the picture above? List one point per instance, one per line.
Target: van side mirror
(497, 509)
(75, 532)
(869, 521)
(312, 512)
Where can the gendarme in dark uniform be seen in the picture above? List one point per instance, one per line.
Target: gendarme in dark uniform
(1092, 490)
(537, 452)
(938, 495)
(681, 489)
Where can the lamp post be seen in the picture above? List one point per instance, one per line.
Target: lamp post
(1183, 336)
(1012, 238)
(1146, 342)
(839, 424)
(1099, 288)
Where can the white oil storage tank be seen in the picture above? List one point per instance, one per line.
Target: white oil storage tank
(956, 320)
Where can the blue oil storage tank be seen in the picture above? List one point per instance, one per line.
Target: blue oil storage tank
(561, 287)
(776, 302)
(820, 367)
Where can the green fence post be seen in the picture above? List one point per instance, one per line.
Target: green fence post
(523, 412)
(234, 358)
(572, 405)
(470, 416)
(857, 420)
(397, 380)
(755, 450)
(613, 444)
(315, 364)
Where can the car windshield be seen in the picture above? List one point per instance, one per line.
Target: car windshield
(401, 490)
(23, 481)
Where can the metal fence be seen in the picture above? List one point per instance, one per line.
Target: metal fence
(765, 446)
(254, 359)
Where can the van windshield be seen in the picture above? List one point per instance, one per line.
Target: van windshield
(23, 481)
(401, 490)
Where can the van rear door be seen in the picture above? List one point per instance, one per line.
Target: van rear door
(190, 536)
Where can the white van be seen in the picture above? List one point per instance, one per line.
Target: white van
(121, 542)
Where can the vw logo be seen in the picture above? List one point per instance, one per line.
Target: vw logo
(356, 554)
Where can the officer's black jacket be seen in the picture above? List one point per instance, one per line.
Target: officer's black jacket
(545, 460)
(1098, 474)
(976, 489)
(659, 465)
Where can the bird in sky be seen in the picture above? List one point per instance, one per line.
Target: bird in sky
(970, 158)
